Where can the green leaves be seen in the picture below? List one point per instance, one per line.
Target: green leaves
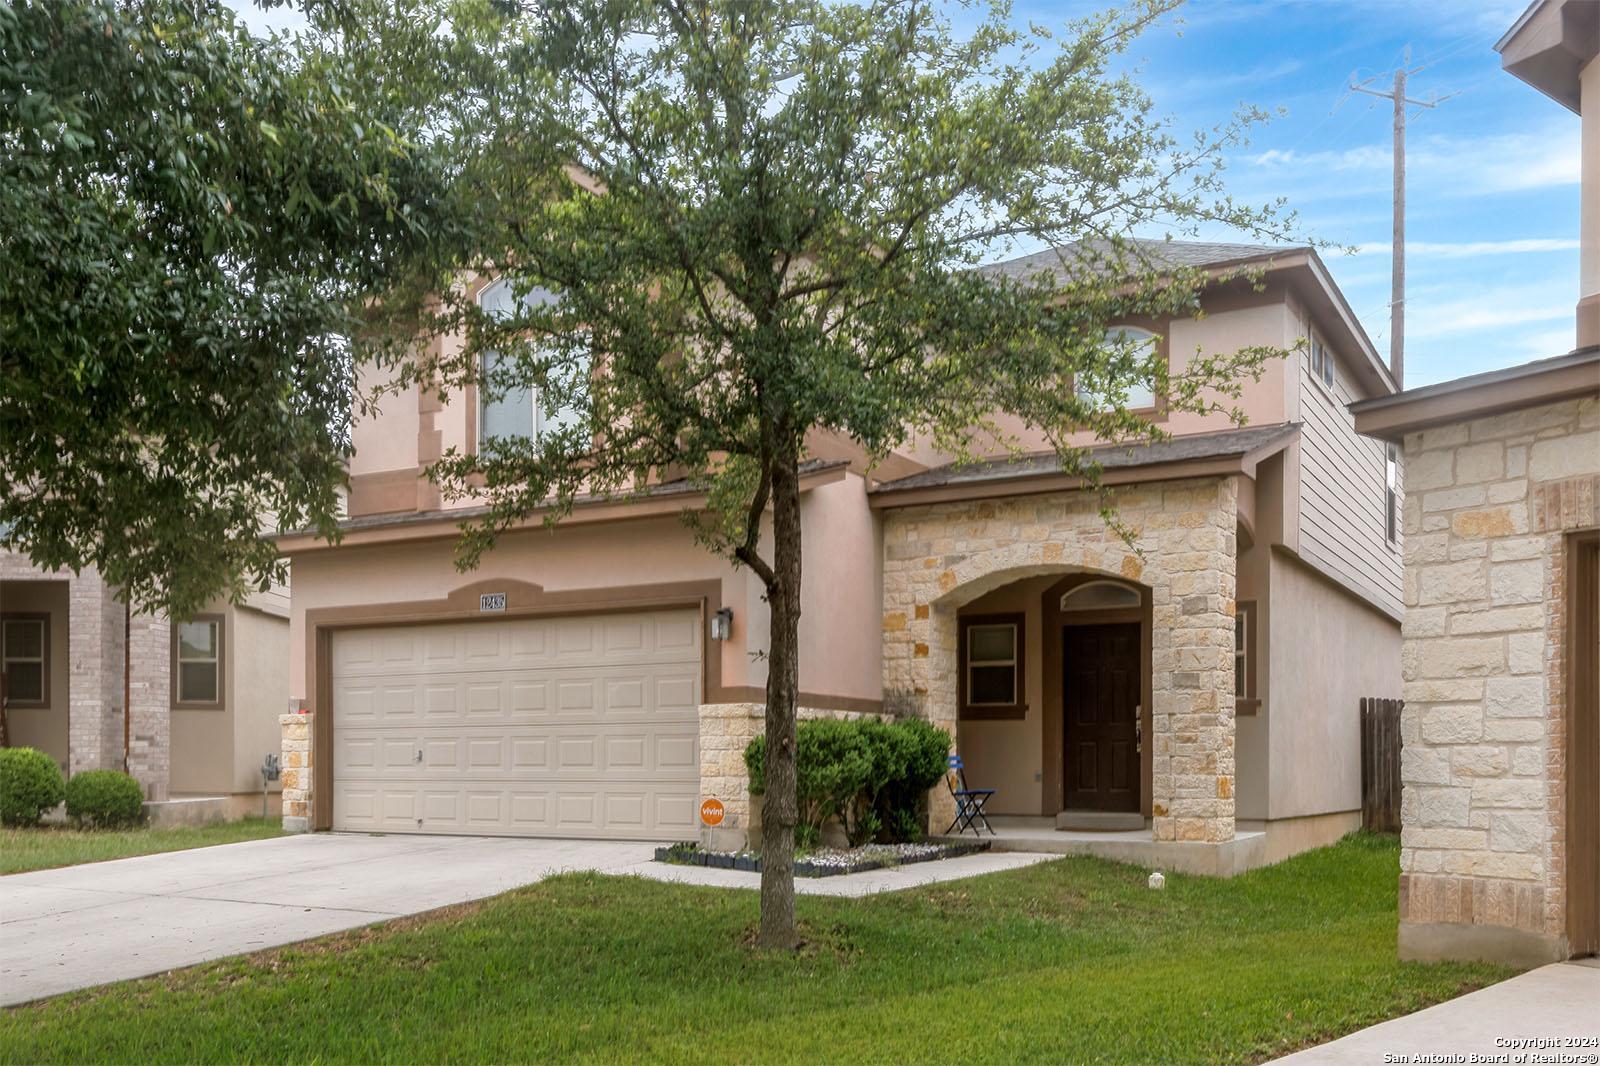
(192, 231)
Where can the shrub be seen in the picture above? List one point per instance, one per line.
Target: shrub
(104, 799)
(30, 784)
(870, 774)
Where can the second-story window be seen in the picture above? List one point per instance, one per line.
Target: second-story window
(506, 408)
(1141, 395)
(1391, 492)
(1321, 361)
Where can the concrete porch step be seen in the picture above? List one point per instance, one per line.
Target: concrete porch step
(1099, 821)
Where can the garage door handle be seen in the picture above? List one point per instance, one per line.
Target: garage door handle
(419, 756)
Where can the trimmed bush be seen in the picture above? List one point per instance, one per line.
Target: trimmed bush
(104, 799)
(870, 774)
(30, 784)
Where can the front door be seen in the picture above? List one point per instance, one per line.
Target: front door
(1100, 698)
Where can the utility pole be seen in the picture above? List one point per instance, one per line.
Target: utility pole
(1397, 295)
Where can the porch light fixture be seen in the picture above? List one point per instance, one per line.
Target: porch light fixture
(722, 623)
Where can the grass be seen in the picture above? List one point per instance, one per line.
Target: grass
(50, 846)
(1069, 961)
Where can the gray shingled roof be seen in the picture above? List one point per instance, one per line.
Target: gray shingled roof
(1177, 254)
(1223, 444)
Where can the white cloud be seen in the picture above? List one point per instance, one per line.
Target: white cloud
(1487, 309)
(1471, 249)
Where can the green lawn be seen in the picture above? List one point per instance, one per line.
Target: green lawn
(1069, 961)
(47, 846)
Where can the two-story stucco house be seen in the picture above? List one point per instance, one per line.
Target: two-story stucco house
(1500, 811)
(188, 708)
(1197, 690)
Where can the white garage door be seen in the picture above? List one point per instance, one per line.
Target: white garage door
(581, 727)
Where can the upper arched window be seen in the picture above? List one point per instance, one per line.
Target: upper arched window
(1141, 395)
(1100, 596)
(508, 409)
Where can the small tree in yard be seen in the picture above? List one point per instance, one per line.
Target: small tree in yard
(729, 224)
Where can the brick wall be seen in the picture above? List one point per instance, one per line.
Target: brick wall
(150, 704)
(1488, 505)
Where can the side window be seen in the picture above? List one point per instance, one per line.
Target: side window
(1244, 650)
(1321, 362)
(197, 663)
(1391, 493)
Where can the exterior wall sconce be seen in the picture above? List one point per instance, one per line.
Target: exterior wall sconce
(722, 624)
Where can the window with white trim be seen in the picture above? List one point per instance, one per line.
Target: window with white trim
(507, 410)
(1321, 361)
(1141, 395)
(1244, 633)
(1391, 493)
(24, 658)
(197, 662)
(991, 667)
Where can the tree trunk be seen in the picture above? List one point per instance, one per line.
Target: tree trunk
(779, 809)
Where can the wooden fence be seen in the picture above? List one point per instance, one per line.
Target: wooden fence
(1380, 764)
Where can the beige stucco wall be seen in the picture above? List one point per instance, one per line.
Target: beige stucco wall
(840, 584)
(1224, 332)
(1488, 504)
(218, 752)
(1327, 649)
(258, 692)
(1008, 756)
(44, 728)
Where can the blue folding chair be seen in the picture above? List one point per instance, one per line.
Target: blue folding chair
(969, 801)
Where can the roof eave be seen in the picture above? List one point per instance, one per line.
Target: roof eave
(1480, 395)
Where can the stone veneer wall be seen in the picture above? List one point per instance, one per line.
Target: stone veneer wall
(726, 729)
(939, 557)
(1488, 504)
(296, 796)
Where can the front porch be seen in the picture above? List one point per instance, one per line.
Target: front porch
(1079, 674)
(1021, 833)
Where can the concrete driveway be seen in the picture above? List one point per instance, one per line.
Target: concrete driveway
(109, 921)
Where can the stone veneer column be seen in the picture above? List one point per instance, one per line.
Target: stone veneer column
(1488, 505)
(150, 703)
(296, 730)
(940, 557)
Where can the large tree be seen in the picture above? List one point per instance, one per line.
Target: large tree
(191, 223)
(731, 224)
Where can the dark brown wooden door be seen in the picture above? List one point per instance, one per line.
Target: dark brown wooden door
(1100, 697)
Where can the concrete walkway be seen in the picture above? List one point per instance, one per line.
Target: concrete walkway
(108, 921)
(1550, 1003)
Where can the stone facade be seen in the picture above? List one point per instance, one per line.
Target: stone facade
(939, 557)
(150, 703)
(296, 757)
(726, 730)
(1488, 505)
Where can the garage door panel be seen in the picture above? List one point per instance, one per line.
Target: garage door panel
(584, 726)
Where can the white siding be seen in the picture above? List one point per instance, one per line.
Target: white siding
(1342, 531)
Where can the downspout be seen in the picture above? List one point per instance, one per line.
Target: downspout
(127, 684)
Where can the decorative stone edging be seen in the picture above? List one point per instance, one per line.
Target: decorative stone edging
(828, 864)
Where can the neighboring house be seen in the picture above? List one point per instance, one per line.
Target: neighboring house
(603, 678)
(1500, 838)
(190, 710)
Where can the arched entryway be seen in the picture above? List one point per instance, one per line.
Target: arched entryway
(941, 558)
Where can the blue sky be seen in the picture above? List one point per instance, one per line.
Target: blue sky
(1492, 205)
(1492, 177)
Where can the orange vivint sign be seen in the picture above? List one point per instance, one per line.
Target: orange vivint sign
(711, 812)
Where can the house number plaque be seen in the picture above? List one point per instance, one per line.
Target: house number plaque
(492, 601)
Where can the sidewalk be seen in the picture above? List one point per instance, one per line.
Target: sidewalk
(1550, 1003)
